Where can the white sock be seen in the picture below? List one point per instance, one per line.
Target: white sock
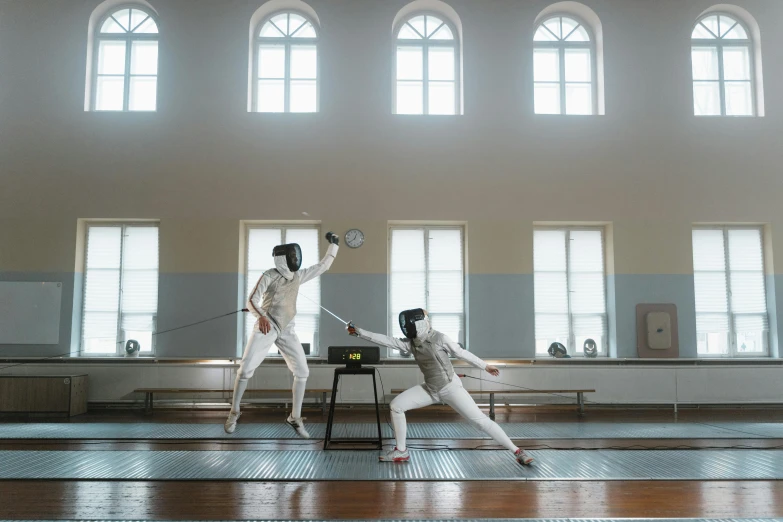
(492, 429)
(400, 428)
(299, 390)
(240, 385)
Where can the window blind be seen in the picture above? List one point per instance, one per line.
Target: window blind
(710, 282)
(587, 287)
(748, 291)
(139, 289)
(102, 290)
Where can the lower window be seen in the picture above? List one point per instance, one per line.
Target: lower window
(569, 289)
(120, 288)
(731, 298)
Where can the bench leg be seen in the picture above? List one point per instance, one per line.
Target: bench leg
(492, 406)
(580, 400)
(148, 403)
(323, 403)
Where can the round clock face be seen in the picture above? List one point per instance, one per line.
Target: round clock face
(354, 238)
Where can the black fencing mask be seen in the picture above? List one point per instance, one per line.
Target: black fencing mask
(558, 351)
(132, 348)
(408, 320)
(292, 253)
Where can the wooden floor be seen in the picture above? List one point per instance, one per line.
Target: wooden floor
(373, 500)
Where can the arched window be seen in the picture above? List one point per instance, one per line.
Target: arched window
(722, 63)
(564, 67)
(427, 66)
(286, 64)
(126, 61)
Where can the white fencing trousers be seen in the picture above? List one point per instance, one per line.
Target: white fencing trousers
(455, 396)
(258, 347)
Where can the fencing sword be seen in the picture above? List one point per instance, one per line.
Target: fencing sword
(327, 310)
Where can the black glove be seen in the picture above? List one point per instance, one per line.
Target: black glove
(333, 238)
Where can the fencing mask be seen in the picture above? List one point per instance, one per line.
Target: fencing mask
(409, 320)
(292, 253)
(558, 351)
(591, 349)
(132, 348)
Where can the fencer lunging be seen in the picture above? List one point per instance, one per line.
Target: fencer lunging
(431, 350)
(273, 303)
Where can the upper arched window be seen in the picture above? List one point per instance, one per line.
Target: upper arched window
(126, 61)
(427, 66)
(564, 67)
(286, 64)
(722, 62)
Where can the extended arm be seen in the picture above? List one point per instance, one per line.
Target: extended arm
(308, 274)
(457, 351)
(383, 340)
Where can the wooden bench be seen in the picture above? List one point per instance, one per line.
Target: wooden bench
(149, 394)
(580, 396)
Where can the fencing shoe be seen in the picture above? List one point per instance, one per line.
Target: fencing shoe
(523, 458)
(298, 426)
(395, 456)
(231, 421)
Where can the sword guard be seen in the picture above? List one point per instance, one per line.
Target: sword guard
(350, 326)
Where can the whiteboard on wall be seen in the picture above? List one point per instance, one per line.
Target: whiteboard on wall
(30, 312)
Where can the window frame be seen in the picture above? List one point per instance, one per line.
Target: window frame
(315, 347)
(571, 345)
(719, 43)
(286, 42)
(425, 44)
(128, 38)
(561, 45)
(393, 326)
(120, 345)
(733, 353)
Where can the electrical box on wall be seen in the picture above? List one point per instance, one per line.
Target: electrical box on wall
(657, 335)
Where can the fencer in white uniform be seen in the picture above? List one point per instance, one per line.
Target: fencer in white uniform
(431, 350)
(273, 303)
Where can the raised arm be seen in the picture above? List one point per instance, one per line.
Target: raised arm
(308, 274)
(457, 351)
(383, 340)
